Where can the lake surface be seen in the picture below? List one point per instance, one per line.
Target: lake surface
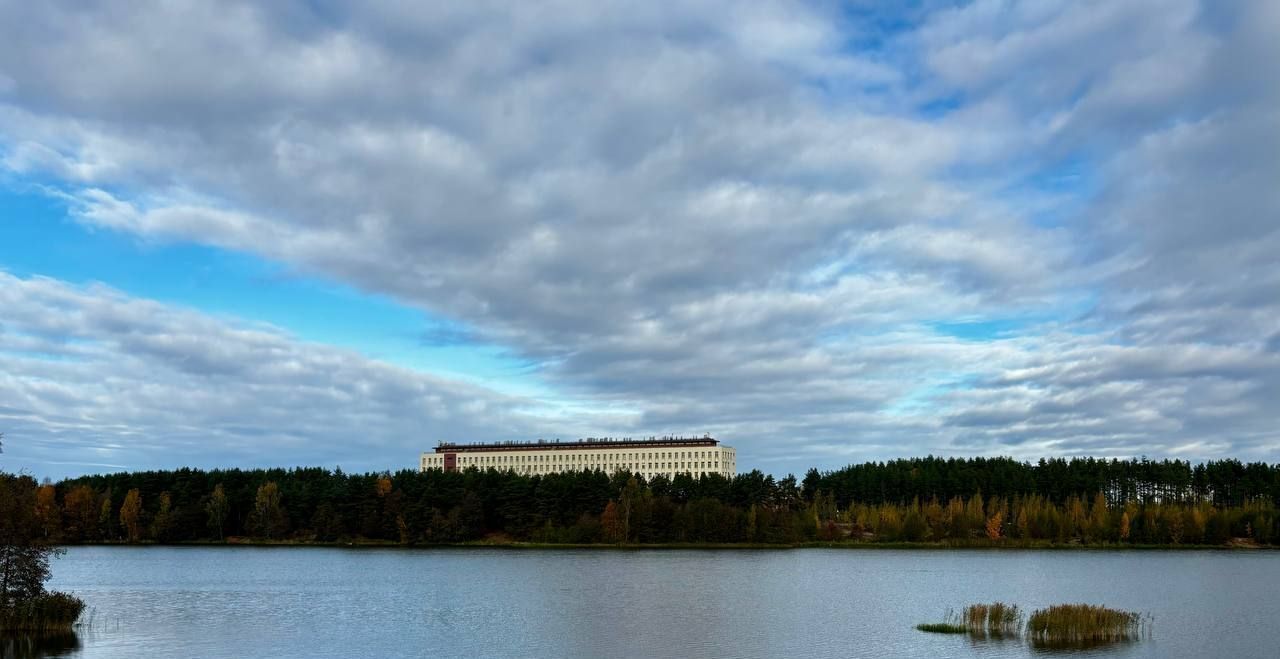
(324, 602)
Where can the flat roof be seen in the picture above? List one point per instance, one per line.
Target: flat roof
(577, 445)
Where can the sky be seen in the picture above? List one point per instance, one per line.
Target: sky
(335, 234)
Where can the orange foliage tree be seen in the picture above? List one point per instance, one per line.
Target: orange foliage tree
(994, 525)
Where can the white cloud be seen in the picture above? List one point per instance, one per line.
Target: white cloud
(90, 376)
(725, 218)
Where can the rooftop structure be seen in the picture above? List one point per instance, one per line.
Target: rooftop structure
(650, 456)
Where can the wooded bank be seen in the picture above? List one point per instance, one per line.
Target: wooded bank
(918, 500)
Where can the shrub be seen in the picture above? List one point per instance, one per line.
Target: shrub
(48, 612)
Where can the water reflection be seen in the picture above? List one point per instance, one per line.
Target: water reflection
(985, 640)
(1079, 647)
(38, 646)
(987, 645)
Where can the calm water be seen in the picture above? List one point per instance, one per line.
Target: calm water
(314, 602)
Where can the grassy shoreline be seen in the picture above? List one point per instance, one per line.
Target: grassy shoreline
(510, 544)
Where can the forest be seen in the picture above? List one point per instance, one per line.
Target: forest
(928, 500)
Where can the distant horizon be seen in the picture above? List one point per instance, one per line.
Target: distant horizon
(413, 466)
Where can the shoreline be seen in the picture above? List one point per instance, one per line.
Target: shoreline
(517, 545)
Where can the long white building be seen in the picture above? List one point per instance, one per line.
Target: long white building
(667, 456)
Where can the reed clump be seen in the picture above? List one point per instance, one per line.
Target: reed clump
(45, 613)
(998, 619)
(1083, 624)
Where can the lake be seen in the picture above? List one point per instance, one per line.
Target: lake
(329, 602)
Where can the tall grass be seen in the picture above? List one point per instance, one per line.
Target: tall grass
(1083, 624)
(998, 619)
(50, 612)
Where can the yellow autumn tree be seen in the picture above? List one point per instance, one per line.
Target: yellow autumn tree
(217, 509)
(975, 514)
(131, 514)
(162, 521)
(1098, 524)
(80, 514)
(268, 519)
(1077, 517)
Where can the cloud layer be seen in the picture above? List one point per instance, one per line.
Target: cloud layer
(779, 224)
(96, 380)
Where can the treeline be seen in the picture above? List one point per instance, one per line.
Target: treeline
(930, 499)
(1223, 483)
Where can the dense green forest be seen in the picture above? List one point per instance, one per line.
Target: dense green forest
(959, 501)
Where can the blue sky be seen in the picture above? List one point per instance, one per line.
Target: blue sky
(308, 234)
(239, 285)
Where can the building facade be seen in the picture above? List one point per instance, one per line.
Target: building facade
(655, 456)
